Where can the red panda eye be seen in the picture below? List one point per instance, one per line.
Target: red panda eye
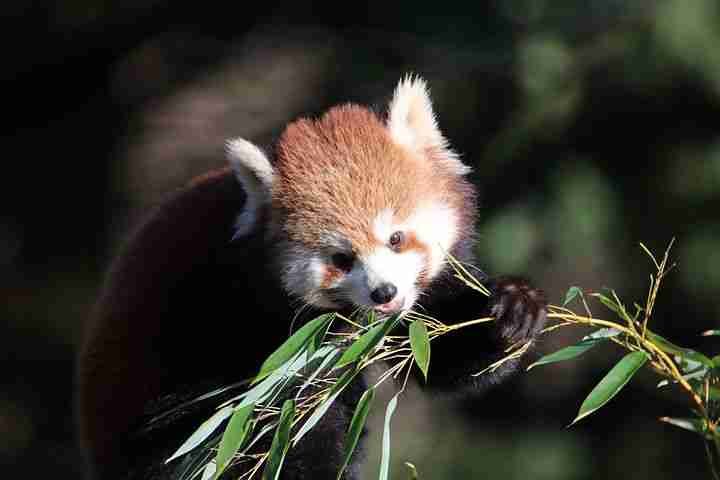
(396, 240)
(343, 261)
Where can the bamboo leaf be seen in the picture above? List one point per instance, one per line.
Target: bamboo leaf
(685, 353)
(233, 438)
(693, 375)
(602, 333)
(318, 413)
(328, 353)
(356, 427)
(294, 344)
(366, 342)
(578, 349)
(612, 383)
(202, 433)
(280, 443)
(385, 459)
(420, 343)
(413, 471)
(256, 438)
(609, 303)
(209, 471)
(571, 294)
(687, 365)
(269, 385)
(695, 425)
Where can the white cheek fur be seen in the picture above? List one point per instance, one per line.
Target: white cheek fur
(302, 274)
(384, 266)
(434, 224)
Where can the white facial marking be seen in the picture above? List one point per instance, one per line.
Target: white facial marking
(302, 275)
(400, 269)
(383, 226)
(434, 224)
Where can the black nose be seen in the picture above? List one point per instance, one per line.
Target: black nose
(384, 293)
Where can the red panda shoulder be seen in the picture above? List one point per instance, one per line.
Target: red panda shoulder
(174, 273)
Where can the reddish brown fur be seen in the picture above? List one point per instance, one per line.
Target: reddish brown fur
(331, 275)
(343, 170)
(130, 315)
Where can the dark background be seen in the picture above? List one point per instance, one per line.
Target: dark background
(591, 126)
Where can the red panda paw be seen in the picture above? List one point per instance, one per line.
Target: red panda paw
(520, 309)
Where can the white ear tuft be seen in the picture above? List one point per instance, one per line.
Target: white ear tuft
(412, 122)
(254, 172)
(246, 158)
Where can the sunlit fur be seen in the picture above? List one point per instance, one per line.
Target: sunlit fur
(253, 170)
(344, 183)
(186, 310)
(412, 123)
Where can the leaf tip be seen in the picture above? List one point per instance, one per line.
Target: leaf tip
(578, 418)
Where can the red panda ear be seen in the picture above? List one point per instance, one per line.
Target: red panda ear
(254, 172)
(412, 123)
(247, 160)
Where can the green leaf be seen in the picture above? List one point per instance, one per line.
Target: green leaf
(413, 471)
(602, 333)
(320, 411)
(613, 382)
(256, 438)
(711, 333)
(328, 353)
(420, 343)
(367, 341)
(706, 390)
(280, 443)
(687, 365)
(693, 375)
(294, 344)
(578, 349)
(202, 433)
(235, 434)
(685, 353)
(696, 425)
(209, 471)
(356, 427)
(270, 385)
(571, 294)
(609, 303)
(385, 459)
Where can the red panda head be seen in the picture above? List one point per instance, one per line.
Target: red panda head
(366, 209)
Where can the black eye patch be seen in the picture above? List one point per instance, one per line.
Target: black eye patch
(343, 261)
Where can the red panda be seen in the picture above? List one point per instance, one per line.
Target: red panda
(348, 211)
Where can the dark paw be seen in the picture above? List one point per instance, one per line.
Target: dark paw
(519, 309)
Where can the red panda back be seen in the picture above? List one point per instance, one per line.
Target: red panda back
(178, 273)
